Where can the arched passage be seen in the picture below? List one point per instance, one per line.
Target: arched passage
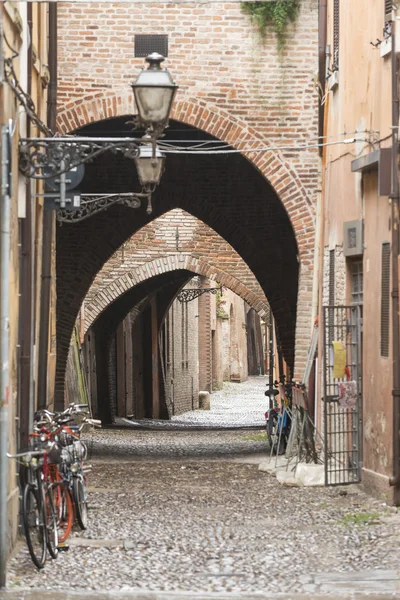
(154, 296)
(228, 193)
(168, 242)
(175, 262)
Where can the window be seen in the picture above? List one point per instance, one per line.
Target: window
(331, 277)
(356, 275)
(385, 299)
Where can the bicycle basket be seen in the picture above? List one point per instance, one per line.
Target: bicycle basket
(73, 452)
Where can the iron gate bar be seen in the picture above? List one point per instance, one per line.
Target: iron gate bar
(342, 422)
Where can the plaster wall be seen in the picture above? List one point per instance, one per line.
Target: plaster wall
(360, 106)
(16, 30)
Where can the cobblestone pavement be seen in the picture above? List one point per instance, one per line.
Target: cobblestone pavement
(236, 405)
(189, 512)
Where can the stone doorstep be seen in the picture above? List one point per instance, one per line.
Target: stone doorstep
(357, 576)
(272, 465)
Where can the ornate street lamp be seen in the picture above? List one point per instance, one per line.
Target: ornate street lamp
(50, 157)
(149, 165)
(154, 92)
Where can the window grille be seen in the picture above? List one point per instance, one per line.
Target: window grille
(385, 299)
(146, 44)
(335, 63)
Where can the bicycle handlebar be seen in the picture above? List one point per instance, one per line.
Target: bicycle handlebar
(27, 453)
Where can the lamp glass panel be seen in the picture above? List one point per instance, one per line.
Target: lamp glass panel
(149, 169)
(153, 103)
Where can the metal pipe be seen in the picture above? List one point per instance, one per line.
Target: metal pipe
(25, 291)
(271, 350)
(395, 479)
(48, 222)
(3, 402)
(322, 25)
(4, 343)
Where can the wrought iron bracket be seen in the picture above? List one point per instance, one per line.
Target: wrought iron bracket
(94, 203)
(43, 158)
(190, 294)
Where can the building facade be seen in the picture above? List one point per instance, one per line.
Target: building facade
(234, 87)
(359, 221)
(25, 41)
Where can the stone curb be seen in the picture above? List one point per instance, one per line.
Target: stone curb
(40, 594)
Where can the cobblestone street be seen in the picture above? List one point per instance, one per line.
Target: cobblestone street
(236, 405)
(189, 511)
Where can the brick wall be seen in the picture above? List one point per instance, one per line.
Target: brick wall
(175, 240)
(232, 86)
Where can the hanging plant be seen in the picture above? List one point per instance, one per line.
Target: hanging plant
(278, 13)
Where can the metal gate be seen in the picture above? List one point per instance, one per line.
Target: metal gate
(342, 395)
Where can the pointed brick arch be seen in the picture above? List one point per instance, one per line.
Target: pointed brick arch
(220, 124)
(174, 262)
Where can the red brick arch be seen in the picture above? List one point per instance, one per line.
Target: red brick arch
(174, 262)
(288, 183)
(273, 166)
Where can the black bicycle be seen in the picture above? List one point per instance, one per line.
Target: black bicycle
(39, 515)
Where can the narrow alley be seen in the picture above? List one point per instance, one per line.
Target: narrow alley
(190, 511)
(199, 300)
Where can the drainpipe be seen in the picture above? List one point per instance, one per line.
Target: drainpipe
(26, 292)
(48, 221)
(4, 344)
(4, 301)
(322, 25)
(322, 118)
(395, 480)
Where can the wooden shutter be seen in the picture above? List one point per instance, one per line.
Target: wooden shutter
(385, 299)
(331, 301)
(388, 10)
(335, 62)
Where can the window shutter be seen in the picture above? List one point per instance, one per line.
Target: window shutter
(385, 299)
(388, 10)
(335, 64)
(331, 317)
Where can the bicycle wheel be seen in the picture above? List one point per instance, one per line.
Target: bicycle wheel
(65, 512)
(51, 522)
(79, 494)
(34, 527)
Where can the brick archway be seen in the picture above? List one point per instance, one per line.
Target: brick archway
(175, 262)
(239, 205)
(283, 176)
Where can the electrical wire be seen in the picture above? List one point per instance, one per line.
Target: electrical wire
(203, 147)
(260, 149)
(15, 53)
(23, 97)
